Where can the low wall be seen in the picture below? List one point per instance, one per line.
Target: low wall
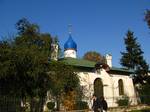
(128, 108)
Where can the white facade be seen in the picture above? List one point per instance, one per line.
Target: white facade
(110, 87)
(54, 54)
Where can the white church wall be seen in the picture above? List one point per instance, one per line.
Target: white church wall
(87, 82)
(128, 88)
(110, 86)
(107, 86)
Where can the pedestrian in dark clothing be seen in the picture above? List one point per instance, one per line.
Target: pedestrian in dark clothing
(104, 104)
(97, 105)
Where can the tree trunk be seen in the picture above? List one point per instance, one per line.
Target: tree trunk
(41, 104)
(32, 105)
(58, 103)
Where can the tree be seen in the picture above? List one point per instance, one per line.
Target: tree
(39, 44)
(133, 58)
(94, 56)
(33, 50)
(24, 27)
(147, 17)
(25, 71)
(25, 62)
(6, 66)
(63, 80)
(144, 93)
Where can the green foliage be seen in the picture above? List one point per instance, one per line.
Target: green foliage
(50, 105)
(133, 52)
(124, 101)
(81, 105)
(25, 71)
(133, 58)
(63, 79)
(23, 67)
(24, 27)
(9, 104)
(145, 94)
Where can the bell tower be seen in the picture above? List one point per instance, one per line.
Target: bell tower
(54, 50)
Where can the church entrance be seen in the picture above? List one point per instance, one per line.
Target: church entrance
(98, 87)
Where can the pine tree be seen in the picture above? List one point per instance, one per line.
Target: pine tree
(133, 58)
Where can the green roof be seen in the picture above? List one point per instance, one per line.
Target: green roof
(78, 62)
(89, 64)
(121, 69)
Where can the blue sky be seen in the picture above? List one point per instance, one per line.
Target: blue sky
(97, 25)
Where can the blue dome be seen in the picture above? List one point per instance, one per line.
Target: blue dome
(70, 44)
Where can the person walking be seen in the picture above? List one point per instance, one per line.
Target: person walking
(104, 104)
(97, 105)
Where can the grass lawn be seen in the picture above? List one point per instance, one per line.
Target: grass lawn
(143, 110)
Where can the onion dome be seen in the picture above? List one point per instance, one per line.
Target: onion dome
(70, 44)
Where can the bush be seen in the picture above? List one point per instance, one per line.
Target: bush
(50, 105)
(124, 101)
(145, 94)
(80, 105)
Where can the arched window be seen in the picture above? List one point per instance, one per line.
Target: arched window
(98, 87)
(121, 88)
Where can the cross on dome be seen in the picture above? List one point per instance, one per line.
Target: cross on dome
(70, 43)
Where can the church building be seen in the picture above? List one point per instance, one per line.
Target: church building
(112, 83)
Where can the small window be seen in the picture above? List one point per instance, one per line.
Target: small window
(121, 87)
